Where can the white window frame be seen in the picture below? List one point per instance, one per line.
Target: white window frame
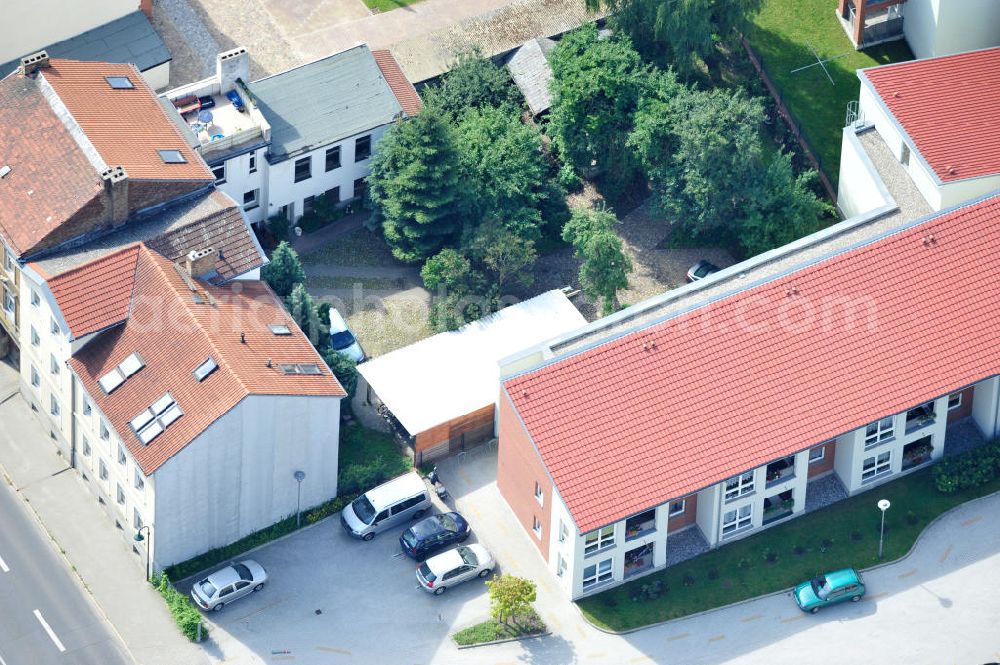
(102, 470)
(136, 519)
(603, 571)
(9, 303)
(539, 494)
(671, 512)
(739, 486)
(253, 163)
(85, 445)
(139, 481)
(219, 180)
(536, 526)
(563, 532)
(53, 365)
(36, 299)
(54, 326)
(88, 408)
(122, 457)
(105, 430)
(119, 494)
(36, 378)
(255, 202)
(35, 339)
(602, 539)
(813, 457)
(561, 565)
(957, 403)
(881, 431)
(54, 408)
(881, 465)
(8, 261)
(737, 520)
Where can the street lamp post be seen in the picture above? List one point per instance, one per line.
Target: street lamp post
(299, 477)
(139, 538)
(883, 505)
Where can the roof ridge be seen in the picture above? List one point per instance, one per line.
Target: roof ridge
(72, 125)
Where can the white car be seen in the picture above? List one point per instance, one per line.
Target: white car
(342, 339)
(231, 583)
(441, 572)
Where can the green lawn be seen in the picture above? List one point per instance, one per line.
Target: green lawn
(359, 446)
(490, 631)
(783, 32)
(844, 534)
(387, 5)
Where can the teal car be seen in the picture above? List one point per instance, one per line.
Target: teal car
(829, 589)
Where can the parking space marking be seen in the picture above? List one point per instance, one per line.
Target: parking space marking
(678, 637)
(908, 573)
(798, 617)
(48, 629)
(947, 552)
(716, 638)
(334, 650)
(3, 565)
(971, 520)
(752, 617)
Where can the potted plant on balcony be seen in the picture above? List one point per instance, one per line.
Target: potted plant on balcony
(918, 454)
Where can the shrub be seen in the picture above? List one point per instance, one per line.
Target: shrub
(277, 226)
(569, 179)
(354, 480)
(181, 608)
(970, 469)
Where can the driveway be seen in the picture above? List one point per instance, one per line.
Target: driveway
(371, 611)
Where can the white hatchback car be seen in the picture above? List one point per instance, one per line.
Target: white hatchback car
(231, 583)
(342, 339)
(439, 573)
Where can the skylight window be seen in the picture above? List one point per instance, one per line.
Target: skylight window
(172, 156)
(280, 329)
(202, 371)
(152, 421)
(119, 82)
(111, 380)
(310, 369)
(131, 365)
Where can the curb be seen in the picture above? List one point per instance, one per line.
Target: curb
(782, 592)
(509, 639)
(71, 567)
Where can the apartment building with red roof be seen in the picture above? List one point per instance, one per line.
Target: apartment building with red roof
(716, 410)
(923, 134)
(193, 403)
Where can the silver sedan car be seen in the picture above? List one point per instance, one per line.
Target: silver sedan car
(439, 573)
(231, 583)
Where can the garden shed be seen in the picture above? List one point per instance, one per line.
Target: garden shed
(442, 391)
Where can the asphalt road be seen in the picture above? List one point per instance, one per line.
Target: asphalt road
(45, 617)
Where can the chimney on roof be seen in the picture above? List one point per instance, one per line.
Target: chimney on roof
(115, 195)
(32, 63)
(201, 262)
(230, 66)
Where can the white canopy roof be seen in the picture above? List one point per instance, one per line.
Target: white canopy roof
(455, 373)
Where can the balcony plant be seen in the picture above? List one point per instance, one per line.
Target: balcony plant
(918, 454)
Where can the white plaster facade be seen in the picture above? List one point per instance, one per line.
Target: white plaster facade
(943, 27)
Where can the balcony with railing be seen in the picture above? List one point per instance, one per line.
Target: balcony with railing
(640, 525)
(920, 417)
(870, 22)
(780, 471)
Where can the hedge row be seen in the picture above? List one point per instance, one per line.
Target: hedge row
(183, 610)
(970, 469)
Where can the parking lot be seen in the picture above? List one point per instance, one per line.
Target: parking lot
(331, 598)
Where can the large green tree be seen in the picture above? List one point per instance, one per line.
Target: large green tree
(596, 87)
(415, 186)
(284, 271)
(303, 309)
(680, 33)
(605, 265)
(473, 82)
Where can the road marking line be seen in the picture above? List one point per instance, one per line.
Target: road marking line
(3, 565)
(48, 629)
(716, 638)
(946, 553)
(908, 573)
(795, 618)
(971, 520)
(678, 637)
(752, 617)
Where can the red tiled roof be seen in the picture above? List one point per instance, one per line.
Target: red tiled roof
(950, 107)
(174, 334)
(401, 87)
(127, 127)
(97, 295)
(50, 178)
(771, 370)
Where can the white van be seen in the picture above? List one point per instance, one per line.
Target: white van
(392, 503)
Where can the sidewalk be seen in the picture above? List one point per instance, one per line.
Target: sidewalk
(310, 242)
(88, 539)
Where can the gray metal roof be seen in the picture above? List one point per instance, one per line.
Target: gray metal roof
(529, 67)
(324, 101)
(129, 39)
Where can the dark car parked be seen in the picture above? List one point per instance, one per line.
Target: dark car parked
(432, 534)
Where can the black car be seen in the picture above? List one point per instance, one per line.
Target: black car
(701, 270)
(432, 534)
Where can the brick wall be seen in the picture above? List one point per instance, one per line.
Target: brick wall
(826, 463)
(518, 469)
(965, 410)
(687, 517)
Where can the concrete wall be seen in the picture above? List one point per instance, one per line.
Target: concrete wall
(954, 193)
(283, 190)
(984, 406)
(920, 26)
(943, 27)
(158, 77)
(518, 469)
(860, 188)
(237, 476)
(239, 180)
(31, 26)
